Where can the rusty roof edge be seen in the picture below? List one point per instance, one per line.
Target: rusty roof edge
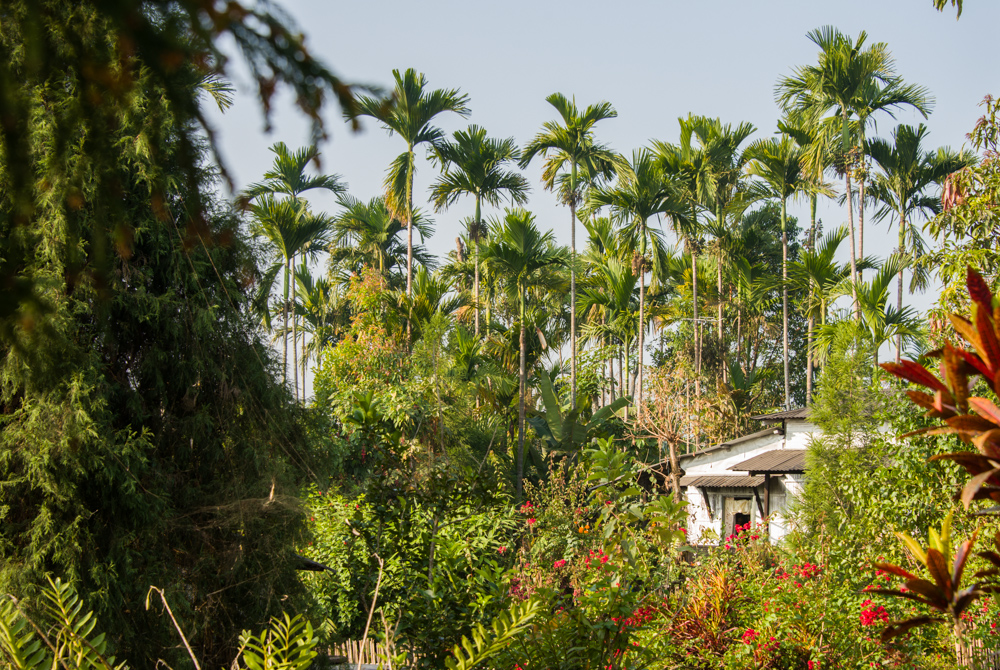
(771, 430)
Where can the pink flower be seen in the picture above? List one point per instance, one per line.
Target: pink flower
(501, 550)
(559, 563)
(531, 521)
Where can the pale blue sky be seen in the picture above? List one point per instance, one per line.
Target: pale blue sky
(654, 61)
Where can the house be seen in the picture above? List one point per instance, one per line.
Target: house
(747, 479)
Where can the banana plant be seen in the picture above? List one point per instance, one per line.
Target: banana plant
(566, 433)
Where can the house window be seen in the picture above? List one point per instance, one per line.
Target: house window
(739, 512)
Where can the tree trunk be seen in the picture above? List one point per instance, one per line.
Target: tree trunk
(675, 470)
(899, 284)
(694, 309)
(284, 336)
(642, 328)
(409, 229)
(812, 221)
(718, 281)
(861, 219)
(572, 286)
(809, 360)
(475, 241)
(850, 224)
(523, 374)
(784, 300)
(295, 343)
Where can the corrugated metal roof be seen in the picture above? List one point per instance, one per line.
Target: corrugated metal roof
(739, 440)
(777, 460)
(722, 481)
(801, 413)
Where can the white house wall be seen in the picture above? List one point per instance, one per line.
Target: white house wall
(702, 529)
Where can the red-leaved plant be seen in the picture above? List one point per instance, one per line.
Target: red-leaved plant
(949, 401)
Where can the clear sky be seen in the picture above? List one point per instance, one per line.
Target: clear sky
(654, 61)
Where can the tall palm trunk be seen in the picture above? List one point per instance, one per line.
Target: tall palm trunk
(694, 309)
(295, 343)
(522, 374)
(284, 335)
(809, 359)
(409, 226)
(642, 338)
(899, 283)
(718, 286)
(572, 286)
(784, 299)
(861, 220)
(850, 223)
(475, 241)
(812, 221)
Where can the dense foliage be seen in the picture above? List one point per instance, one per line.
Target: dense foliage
(482, 475)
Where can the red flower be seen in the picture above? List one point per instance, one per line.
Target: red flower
(559, 563)
(501, 550)
(749, 636)
(531, 521)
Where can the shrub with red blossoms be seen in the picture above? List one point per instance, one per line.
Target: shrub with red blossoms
(872, 615)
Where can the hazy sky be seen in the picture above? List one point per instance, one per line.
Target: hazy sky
(654, 61)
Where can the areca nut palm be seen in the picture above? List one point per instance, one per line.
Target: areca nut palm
(906, 171)
(517, 251)
(366, 233)
(640, 193)
(816, 139)
(730, 192)
(855, 82)
(409, 115)
(690, 166)
(474, 164)
(287, 177)
(607, 299)
(821, 279)
(780, 166)
(569, 147)
(291, 230)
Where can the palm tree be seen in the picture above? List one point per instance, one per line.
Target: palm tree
(290, 229)
(880, 322)
(322, 309)
(366, 233)
(906, 171)
(780, 166)
(816, 140)
(431, 294)
(570, 148)
(287, 177)
(475, 165)
(640, 193)
(517, 252)
(608, 301)
(690, 168)
(821, 280)
(410, 115)
(729, 193)
(855, 82)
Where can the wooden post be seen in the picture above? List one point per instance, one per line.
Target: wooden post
(760, 506)
(708, 503)
(767, 500)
